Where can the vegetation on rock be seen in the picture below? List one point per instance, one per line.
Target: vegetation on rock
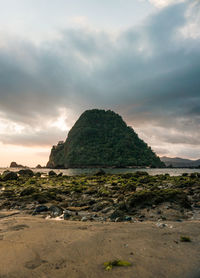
(120, 197)
(102, 138)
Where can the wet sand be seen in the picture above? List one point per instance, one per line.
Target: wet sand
(34, 247)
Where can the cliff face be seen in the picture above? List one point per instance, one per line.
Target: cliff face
(56, 158)
(102, 138)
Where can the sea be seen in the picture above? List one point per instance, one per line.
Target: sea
(90, 171)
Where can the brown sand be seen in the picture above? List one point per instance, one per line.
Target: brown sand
(35, 247)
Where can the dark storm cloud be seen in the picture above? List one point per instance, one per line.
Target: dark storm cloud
(149, 74)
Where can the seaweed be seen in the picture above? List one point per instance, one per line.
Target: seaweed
(109, 265)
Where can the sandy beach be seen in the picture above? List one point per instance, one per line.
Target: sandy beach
(35, 247)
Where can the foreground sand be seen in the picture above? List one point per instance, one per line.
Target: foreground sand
(35, 247)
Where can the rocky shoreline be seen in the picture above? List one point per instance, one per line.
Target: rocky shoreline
(102, 197)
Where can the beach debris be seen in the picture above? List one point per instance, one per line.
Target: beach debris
(109, 265)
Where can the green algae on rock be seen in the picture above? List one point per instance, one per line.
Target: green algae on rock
(118, 197)
(109, 265)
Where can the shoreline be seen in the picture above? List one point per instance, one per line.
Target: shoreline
(69, 226)
(92, 171)
(45, 248)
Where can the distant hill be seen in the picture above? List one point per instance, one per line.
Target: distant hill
(102, 138)
(180, 162)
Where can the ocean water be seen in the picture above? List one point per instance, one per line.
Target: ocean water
(90, 171)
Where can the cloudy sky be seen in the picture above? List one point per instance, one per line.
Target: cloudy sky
(140, 58)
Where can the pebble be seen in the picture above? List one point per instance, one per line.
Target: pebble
(161, 225)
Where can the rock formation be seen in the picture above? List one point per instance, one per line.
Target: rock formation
(15, 165)
(102, 138)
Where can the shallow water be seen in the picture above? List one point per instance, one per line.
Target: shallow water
(74, 172)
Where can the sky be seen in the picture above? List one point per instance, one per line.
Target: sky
(139, 58)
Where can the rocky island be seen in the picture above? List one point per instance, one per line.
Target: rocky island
(14, 164)
(102, 138)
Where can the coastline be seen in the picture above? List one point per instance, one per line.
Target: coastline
(69, 226)
(35, 247)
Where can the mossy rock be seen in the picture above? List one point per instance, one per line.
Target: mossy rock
(8, 193)
(28, 191)
(148, 198)
(52, 173)
(7, 175)
(130, 186)
(43, 197)
(26, 172)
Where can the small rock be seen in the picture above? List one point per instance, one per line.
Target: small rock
(127, 218)
(39, 209)
(117, 214)
(106, 210)
(161, 225)
(100, 173)
(55, 211)
(84, 219)
(66, 215)
(118, 219)
(52, 173)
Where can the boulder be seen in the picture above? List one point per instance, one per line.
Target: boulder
(28, 191)
(101, 172)
(7, 175)
(52, 173)
(26, 172)
(38, 174)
